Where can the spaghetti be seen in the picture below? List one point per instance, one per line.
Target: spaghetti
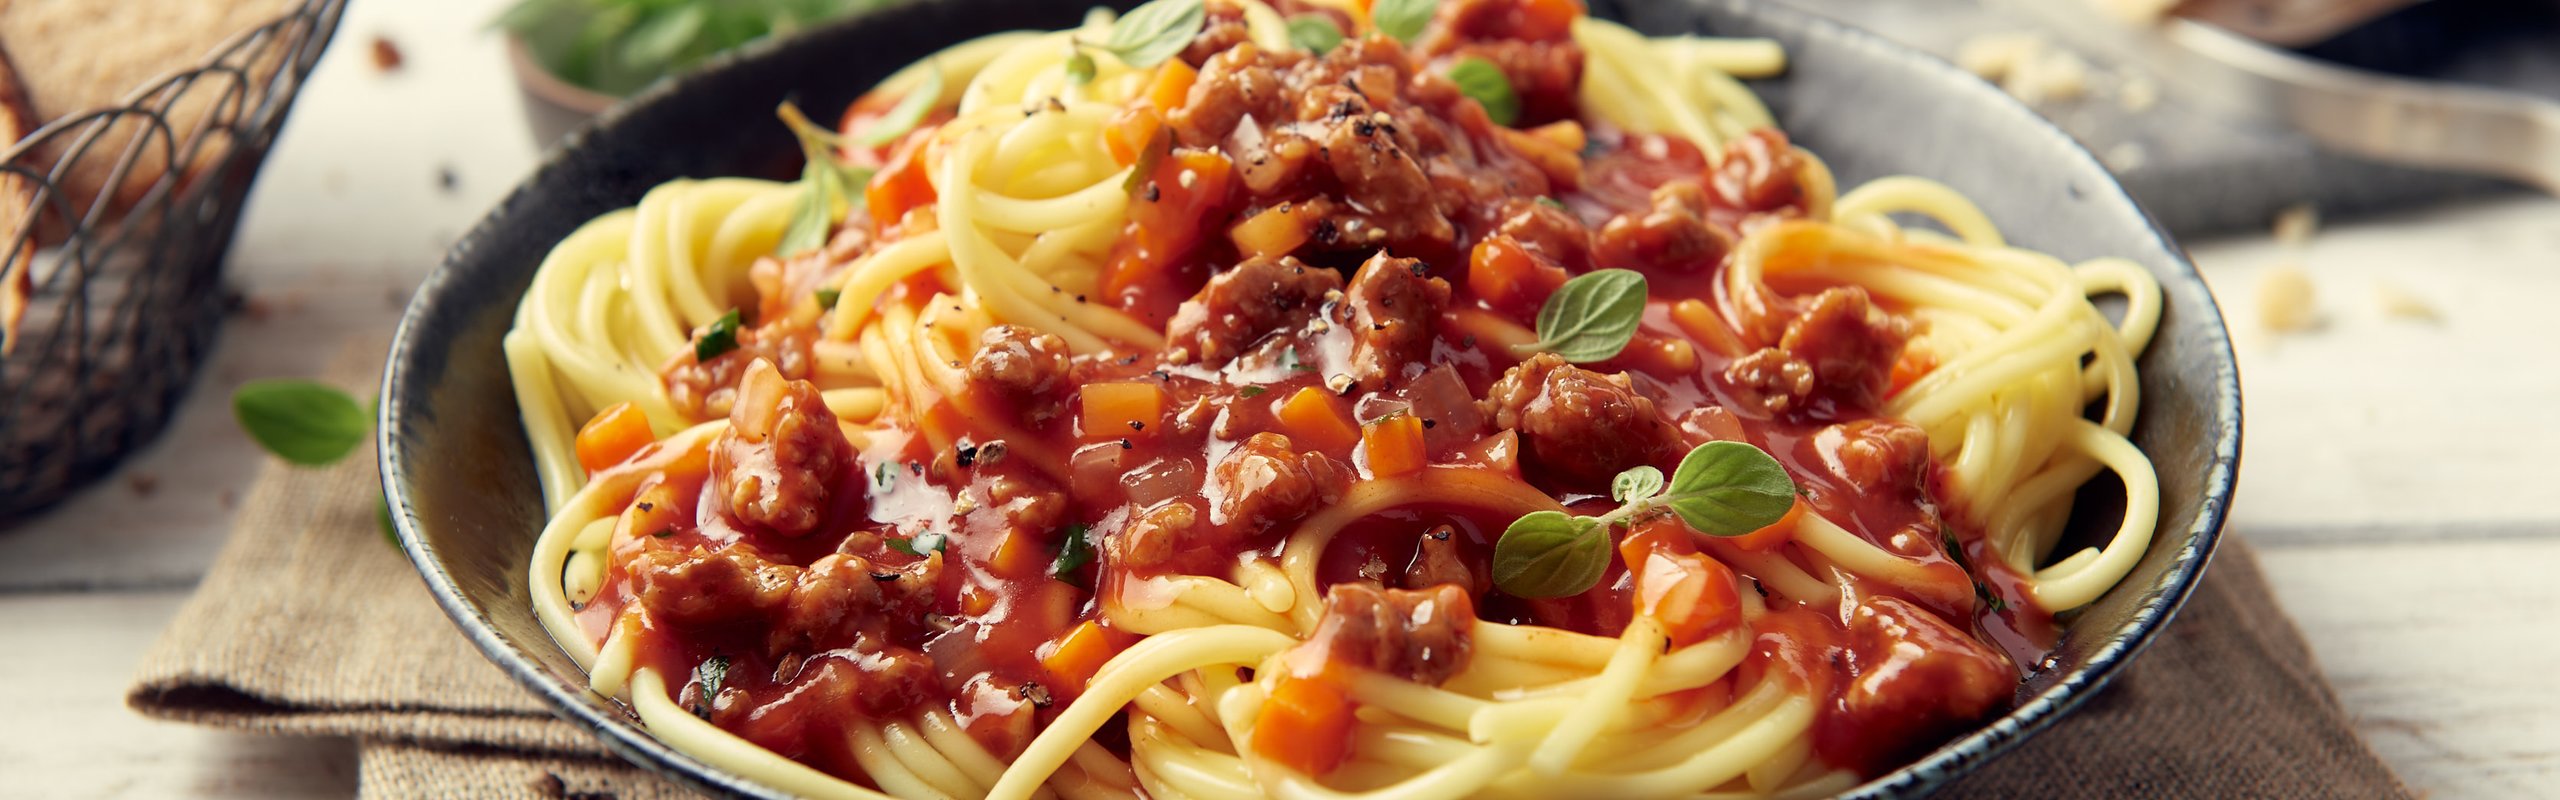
(1198, 405)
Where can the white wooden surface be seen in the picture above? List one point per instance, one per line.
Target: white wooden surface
(2400, 475)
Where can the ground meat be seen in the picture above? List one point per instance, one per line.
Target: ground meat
(1919, 680)
(1379, 175)
(1537, 54)
(825, 605)
(774, 466)
(1262, 482)
(1156, 536)
(706, 390)
(1222, 30)
(1394, 305)
(1760, 173)
(1019, 364)
(808, 703)
(1239, 82)
(1385, 148)
(1423, 635)
(1673, 236)
(1876, 456)
(1579, 426)
(1548, 230)
(1836, 357)
(1240, 306)
(1440, 559)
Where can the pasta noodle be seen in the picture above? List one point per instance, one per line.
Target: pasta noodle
(860, 555)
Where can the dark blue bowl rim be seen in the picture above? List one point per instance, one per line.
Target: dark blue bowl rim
(626, 738)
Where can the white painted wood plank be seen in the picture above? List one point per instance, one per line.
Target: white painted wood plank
(2373, 422)
(2442, 651)
(65, 732)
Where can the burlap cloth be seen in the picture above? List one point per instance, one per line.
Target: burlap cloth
(311, 624)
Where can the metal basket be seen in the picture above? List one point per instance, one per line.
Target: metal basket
(128, 290)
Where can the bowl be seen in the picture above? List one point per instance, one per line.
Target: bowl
(460, 473)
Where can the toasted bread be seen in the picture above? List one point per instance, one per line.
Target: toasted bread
(74, 57)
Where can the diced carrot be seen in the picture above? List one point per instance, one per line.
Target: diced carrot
(612, 436)
(1128, 132)
(901, 185)
(1122, 409)
(1546, 20)
(1509, 277)
(1395, 446)
(1275, 232)
(1075, 658)
(1912, 366)
(1315, 418)
(1305, 725)
(1778, 533)
(657, 511)
(1020, 555)
(976, 600)
(1172, 85)
(1692, 595)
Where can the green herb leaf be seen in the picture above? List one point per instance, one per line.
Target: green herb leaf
(718, 339)
(1080, 68)
(710, 674)
(1593, 316)
(884, 477)
(1637, 483)
(827, 298)
(1550, 554)
(811, 216)
(656, 43)
(825, 183)
(1151, 33)
(926, 542)
(1314, 33)
(1075, 551)
(307, 423)
(1483, 82)
(907, 114)
(1145, 169)
(1252, 391)
(1551, 202)
(1402, 19)
(1729, 489)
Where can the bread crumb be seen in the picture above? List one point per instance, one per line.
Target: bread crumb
(2286, 299)
(2295, 224)
(2399, 303)
(2138, 12)
(2127, 156)
(386, 55)
(2026, 65)
(2137, 94)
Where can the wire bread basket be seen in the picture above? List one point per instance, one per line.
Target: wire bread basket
(125, 288)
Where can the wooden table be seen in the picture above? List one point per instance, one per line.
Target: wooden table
(2400, 477)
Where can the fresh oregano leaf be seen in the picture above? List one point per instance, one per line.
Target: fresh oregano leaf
(926, 542)
(1550, 554)
(1074, 551)
(654, 45)
(1593, 316)
(1314, 33)
(1483, 82)
(307, 423)
(907, 114)
(718, 339)
(710, 674)
(827, 298)
(1151, 33)
(1402, 19)
(1637, 483)
(1729, 489)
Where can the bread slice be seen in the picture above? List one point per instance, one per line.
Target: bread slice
(17, 212)
(78, 56)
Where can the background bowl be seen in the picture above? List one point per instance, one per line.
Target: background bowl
(460, 473)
